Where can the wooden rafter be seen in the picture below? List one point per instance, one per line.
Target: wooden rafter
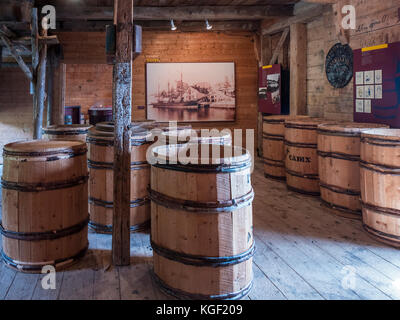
(279, 46)
(313, 11)
(179, 13)
(7, 42)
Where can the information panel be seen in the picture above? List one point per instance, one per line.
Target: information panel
(377, 84)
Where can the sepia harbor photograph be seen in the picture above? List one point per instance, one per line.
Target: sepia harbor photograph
(191, 91)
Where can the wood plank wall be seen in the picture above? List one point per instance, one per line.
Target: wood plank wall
(15, 107)
(87, 84)
(377, 22)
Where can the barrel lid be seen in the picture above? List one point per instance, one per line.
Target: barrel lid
(382, 134)
(44, 146)
(207, 155)
(308, 122)
(165, 126)
(109, 125)
(136, 133)
(282, 118)
(197, 134)
(67, 127)
(100, 108)
(349, 127)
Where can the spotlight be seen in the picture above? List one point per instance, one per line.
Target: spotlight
(173, 26)
(208, 26)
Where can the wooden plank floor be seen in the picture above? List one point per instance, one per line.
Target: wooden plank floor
(303, 252)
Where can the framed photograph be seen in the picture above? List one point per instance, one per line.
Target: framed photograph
(191, 92)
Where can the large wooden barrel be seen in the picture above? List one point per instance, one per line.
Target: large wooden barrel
(45, 209)
(66, 132)
(301, 160)
(380, 183)
(338, 165)
(201, 223)
(273, 145)
(204, 136)
(101, 180)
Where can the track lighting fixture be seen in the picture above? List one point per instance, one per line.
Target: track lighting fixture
(208, 26)
(173, 26)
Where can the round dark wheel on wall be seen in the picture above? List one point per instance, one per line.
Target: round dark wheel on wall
(339, 65)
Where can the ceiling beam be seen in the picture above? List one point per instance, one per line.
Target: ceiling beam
(180, 13)
(162, 25)
(306, 15)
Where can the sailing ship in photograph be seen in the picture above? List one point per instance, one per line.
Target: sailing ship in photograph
(191, 91)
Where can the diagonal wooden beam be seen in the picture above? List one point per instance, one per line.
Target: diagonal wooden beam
(16, 56)
(308, 14)
(179, 13)
(279, 46)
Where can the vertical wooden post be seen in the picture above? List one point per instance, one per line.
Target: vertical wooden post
(50, 86)
(122, 105)
(40, 93)
(298, 69)
(56, 87)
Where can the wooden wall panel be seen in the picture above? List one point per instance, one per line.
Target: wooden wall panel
(89, 82)
(16, 116)
(322, 99)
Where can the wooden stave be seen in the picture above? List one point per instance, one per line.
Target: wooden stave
(164, 209)
(36, 237)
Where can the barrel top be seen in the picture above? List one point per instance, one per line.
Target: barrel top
(44, 146)
(136, 134)
(67, 127)
(382, 134)
(166, 126)
(197, 134)
(199, 155)
(308, 122)
(283, 118)
(100, 109)
(109, 125)
(348, 127)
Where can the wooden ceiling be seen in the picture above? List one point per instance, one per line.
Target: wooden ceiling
(188, 15)
(169, 3)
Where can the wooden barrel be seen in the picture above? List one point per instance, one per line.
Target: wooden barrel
(380, 183)
(101, 180)
(67, 132)
(301, 160)
(201, 223)
(100, 114)
(338, 165)
(197, 136)
(273, 145)
(45, 209)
